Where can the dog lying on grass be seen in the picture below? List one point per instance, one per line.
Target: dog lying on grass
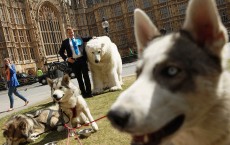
(20, 129)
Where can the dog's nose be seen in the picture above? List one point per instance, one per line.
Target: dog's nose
(25, 135)
(96, 61)
(55, 96)
(119, 117)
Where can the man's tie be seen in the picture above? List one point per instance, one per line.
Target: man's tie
(75, 46)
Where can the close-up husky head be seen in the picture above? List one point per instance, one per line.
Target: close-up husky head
(181, 95)
(62, 88)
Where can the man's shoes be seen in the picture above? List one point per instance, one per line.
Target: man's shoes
(87, 95)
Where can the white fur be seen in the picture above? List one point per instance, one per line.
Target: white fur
(105, 64)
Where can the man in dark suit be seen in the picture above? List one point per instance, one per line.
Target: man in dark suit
(77, 60)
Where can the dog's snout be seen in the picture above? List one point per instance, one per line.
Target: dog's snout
(119, 117)
(96, 61)
(55, 96)
(24, 135)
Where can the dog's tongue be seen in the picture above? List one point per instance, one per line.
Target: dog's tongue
(149, 139)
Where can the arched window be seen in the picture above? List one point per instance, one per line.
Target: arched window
(50, 30)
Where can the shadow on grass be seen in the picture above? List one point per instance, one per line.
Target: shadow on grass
(3, 111)
(55, 136)
(46, 105)
(52, 136)
(104, 92)
(98, 94)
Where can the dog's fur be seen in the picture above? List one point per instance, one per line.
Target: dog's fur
(67, 95)
(105, 64)
(181, 95)
(21, 128)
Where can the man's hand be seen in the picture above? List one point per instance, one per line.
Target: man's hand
(70, 60)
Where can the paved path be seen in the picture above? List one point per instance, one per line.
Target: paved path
(37, 93)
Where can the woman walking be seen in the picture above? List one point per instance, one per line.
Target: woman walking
(12, 83)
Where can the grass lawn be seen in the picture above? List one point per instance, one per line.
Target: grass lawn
(99, 106)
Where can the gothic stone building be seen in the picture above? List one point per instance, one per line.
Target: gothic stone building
(31, 31)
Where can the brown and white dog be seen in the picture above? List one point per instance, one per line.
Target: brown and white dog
(20, 129)
(67, 95)
(182, 92)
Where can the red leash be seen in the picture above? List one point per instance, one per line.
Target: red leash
(86, 124)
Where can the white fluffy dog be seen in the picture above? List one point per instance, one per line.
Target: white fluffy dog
(105, 64)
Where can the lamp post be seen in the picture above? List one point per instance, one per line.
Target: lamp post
(52, 33)
(105, 26)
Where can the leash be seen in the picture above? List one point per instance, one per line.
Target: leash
(73, 129)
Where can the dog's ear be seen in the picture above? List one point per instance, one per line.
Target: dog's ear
(203, 23)
(5, 131)
(66, 79)
(50, 82)
(144, 29)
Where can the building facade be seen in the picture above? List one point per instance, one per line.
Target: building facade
(31, 31)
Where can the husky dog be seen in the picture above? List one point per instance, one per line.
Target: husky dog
(181, 95)
(67, 95)
(27, 128)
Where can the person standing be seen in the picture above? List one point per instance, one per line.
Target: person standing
(12, 83)
(77, 60)
(105, 25)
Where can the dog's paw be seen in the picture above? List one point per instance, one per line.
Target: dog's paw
(115, 88)
(94, 126)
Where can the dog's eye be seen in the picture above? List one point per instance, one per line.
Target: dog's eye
(99, 51)
(93, 52)
(170, 71)
(60, 88)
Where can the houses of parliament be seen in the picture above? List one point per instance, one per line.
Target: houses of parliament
(31, 31)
